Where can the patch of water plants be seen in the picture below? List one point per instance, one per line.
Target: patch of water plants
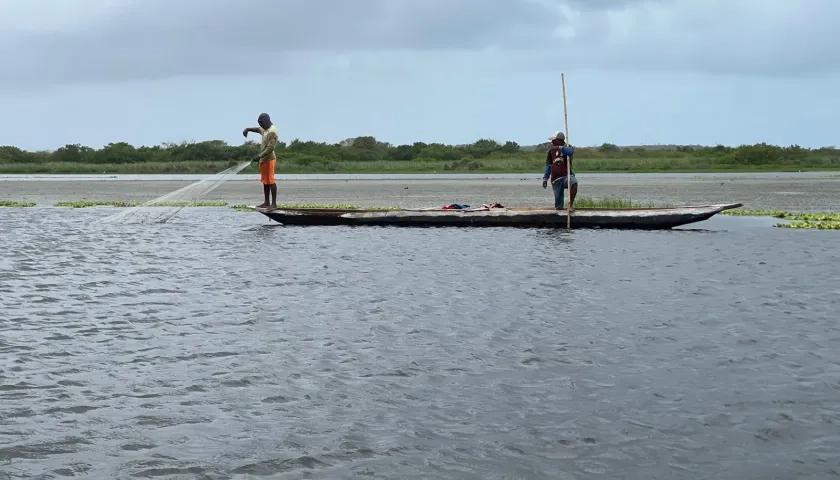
(13, 204)
(810, 225)
(109, 203)
(805, 220)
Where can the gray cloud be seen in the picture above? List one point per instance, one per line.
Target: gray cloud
(155, 39)
(158, 38)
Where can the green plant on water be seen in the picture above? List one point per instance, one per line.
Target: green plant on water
(109, 203)
(13, 204)
(803, 216)
(213, 203)
(798, 220)
(94, 203)
(811, 217)
(753, 213)
(811, 225)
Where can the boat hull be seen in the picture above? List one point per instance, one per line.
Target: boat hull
(524, 217)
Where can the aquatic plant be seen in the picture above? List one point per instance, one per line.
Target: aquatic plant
(108, 203)
(13, 204)
(94, 203)
(803, 216)
(211, 203)
(812, 225)
(811, 217)
(753, 213)
(800, 220)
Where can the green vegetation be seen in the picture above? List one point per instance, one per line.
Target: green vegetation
(754, 213)
(95, 203)
(368, 155)
(99, 203)
(818, 221)
(611, 202)
(12, 204)
(811, 225)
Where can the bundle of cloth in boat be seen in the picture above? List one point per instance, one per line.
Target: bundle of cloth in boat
(459, 206)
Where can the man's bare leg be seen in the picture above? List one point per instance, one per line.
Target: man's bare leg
(572, 194)
(273, 188)
(265, 204)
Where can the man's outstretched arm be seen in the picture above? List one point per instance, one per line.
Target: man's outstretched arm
(252, 130)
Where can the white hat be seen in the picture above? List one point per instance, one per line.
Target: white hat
(558, 135)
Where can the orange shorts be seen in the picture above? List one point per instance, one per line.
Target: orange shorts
(267, 172)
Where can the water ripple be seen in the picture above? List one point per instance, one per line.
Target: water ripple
(214, 347)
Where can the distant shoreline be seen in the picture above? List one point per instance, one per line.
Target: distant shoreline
(211, 168)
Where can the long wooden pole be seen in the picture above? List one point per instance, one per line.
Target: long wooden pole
(569, 161)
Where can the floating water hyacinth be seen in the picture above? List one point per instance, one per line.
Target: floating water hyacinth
(800, 224)
(112, 203)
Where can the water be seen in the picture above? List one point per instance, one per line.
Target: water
(218, 346)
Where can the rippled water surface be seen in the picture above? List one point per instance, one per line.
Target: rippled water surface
(221, 347)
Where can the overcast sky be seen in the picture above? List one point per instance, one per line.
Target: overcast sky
(451, 71)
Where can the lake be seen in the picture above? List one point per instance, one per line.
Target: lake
(805, 191)
(222, 346)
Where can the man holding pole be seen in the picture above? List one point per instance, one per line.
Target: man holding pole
(558, 170)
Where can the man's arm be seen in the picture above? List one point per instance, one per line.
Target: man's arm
(547, 172)
(252, 130)
(270, 143)
(569, 159)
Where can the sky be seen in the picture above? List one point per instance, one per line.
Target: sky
(637, 72)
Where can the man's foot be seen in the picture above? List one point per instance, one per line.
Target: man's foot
(273, 206)
(264, 205)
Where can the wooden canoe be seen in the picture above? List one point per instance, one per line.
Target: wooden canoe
(521, 217)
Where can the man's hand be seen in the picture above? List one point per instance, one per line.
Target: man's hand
(545, 183)
(245, 133)
(256, 159)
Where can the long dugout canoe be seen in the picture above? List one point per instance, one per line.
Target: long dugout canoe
(519, 217)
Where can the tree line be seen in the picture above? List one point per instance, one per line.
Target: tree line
(369, 149)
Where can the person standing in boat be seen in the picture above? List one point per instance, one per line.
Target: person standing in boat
(267, 158)
(557, 161)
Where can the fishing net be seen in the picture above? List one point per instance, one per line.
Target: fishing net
(163, 208)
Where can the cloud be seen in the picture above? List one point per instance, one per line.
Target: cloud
(155, 39)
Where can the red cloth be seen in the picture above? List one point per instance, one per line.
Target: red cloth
(559, 164)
